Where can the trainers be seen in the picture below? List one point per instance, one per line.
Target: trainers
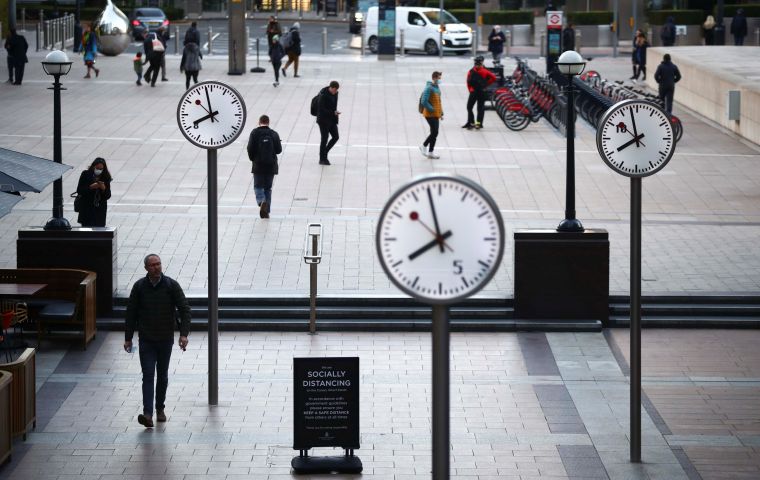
(283, 73)
(324, 162)
(87, 76)
(264, 210)
(160, 416)
(145, 421)
(164, 79)
(275, 84)
(423, 151)
(433, 156)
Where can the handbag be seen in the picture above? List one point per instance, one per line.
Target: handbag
(78, 199)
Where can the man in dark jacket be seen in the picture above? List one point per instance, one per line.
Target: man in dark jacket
(496, 40)
(666, 76)
(155, 57)
(163, 35)
(668, 33)
(568, 38)
(16, 46)
(739, 27)
(263, 147)
(192, 35)
(151, 311)
(327, 119)
(478, 78)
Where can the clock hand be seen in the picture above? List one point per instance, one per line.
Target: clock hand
(435, 221)
(636, 140)
(429, 245)
(635, 131)
(208, 100)
(210, 115)
(415, 216)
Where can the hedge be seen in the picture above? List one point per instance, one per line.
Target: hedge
(464, 15)
(451, 5)
(749, 10)
(599, 17)
(680, 17)
(508, 17)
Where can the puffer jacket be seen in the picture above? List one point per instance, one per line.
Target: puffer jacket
(431, 101)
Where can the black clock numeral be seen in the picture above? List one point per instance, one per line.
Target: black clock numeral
(458, 267)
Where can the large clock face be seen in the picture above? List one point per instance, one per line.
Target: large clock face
(211, 114)
(440, 239)
(635, 138)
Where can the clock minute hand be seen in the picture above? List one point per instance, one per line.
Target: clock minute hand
(636, 140)
(208, 100)
(635, 131)
(429, 245)
(435, 221)
(202, 119)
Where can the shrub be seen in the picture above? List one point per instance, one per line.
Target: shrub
(749, 10)
(508, 17)
(452, 4)
(464, 15)
(174, 13)
(680, 17)
(600, 17)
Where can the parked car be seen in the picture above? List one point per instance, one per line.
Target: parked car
(146, 20)
(421, 30)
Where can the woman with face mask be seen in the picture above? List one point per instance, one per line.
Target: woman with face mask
(95, 189)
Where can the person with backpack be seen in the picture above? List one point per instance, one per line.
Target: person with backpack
(432, 109)
(276, 52)
(325, 107)
(263, 147)
(668, 33)
(291, 42)
(151, 311)
(666, 76)
(478, 79)
(154, 50)
(191, 63)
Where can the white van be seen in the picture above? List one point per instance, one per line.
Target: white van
(420, 25)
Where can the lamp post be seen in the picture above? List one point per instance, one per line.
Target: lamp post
(57, 64)
(570, 64)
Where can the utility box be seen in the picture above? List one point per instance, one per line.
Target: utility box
(238, 39)
(733, 105)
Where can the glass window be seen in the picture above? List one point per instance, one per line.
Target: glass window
(432, 15)
(415, 18)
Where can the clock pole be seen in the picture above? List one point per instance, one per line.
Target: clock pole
(635, 354)
(441, 392)
(213, 282)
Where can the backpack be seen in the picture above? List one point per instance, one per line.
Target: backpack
(420, 107)
(157, 45)
(476, 81)
(265, 149)
(315, 105)
(286, 40)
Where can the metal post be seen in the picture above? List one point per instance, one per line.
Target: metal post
(362, 33)
(247, 39)
(615, 22)
(635, 320)
(324, 40)
(440, 392)
(441, 26)
(213, 284)
(313, 287)
(37, 37)
(578, 41)
(176, 39)
(58, 222)
(570, 223)
(401, 40)
(542, 50)
(210, 39)
(257, 68)
(476, 40)
(508, 43)
(23, 19)
(757, 37)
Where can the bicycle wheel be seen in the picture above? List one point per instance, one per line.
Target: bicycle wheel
(516, 122)
(677, 127)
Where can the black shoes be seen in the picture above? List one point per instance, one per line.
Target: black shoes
(145, 421)
(264, 210)
(160, 416)
(147, 79)
(324, 162)
(284, 74)
(164, 79)
(467, 125)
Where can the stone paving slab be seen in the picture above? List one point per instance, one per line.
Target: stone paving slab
(701, 221)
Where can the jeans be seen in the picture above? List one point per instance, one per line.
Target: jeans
(262, 187)
(139, 76)
(666, 93)
(276, 67)
(430, 140)
(738, 41)
(154, 358)
(155, 64)
(480, 99)
(327, 129)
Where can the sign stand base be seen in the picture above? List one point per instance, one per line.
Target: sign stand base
(304, 464)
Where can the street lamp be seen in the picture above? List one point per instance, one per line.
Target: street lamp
(57, 64)
(570, 64)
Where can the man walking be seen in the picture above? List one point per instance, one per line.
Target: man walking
(739, 27)
(263, 147)
(16, 46)
(430, 106)
(666, 76)
(478, 78)
(151, 312)
(327, 119)
(192, 35)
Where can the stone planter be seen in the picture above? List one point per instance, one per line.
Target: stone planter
(522, 35)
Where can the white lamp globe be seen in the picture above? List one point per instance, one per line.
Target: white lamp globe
(56, 63)
(570, 63)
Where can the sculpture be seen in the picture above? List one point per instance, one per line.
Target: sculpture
(112, 29)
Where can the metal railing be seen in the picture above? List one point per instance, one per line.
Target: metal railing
(55, 33)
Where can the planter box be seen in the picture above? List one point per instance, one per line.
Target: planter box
(5, 416)
(23, 406)
(594, 35)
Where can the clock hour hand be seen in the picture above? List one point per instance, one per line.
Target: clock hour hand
(204, 118)
(636, 140)
(635, 131)
(429, 245)
(208, 101)
(435, 221)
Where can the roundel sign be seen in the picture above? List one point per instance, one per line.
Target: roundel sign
(554, 19)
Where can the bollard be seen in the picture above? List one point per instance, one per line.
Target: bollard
(324, 41)
(578, 41)
(210, 39)
(542, 50)
(757, 37)
(312, 255)
(401, 41)
(23, 19)
(257, 68)
(508, 43)
(176, 39)
(362, 46)
(37, 37)
(247, 39)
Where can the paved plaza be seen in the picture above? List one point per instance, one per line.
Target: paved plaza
(524, 405)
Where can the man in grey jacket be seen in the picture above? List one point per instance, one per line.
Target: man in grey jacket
(151, 311)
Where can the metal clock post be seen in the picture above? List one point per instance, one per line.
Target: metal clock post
(440, 239)
(212, 115)
(635, 139)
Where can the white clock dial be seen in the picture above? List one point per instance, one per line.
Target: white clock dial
(211, 114)
(440, 238)
(635, 138)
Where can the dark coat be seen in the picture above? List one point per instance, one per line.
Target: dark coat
(151, 310)
(667, 75)
(668, 33)
(496, 42)
(16, 46)
(276, 52)
(192, 35)
(640, 54)
(327, 106)
(263, 167)
(739, 25)
(295, 42)
(191, 58)
(568, 39)
(94, 202)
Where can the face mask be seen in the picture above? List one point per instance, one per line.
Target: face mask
(98, 171)
(438, 82)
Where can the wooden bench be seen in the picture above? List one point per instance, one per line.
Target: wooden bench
(23, 403)
(5, 416)
(68, 300)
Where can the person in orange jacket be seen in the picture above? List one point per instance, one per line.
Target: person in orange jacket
(478, 79)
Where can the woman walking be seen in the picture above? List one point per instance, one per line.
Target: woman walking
(431, 108)
(294, 49)
(94, 188)
(640, 56)
(90, 47)
(190, 63)
(276, 52)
